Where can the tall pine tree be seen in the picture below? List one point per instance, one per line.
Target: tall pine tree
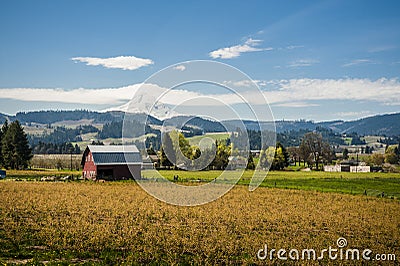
(16, 152)
(6, 146)
(2, 132)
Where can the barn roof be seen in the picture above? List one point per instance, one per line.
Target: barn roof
(112, 148)
(114, 154)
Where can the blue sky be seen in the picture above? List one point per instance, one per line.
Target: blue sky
(318, 60)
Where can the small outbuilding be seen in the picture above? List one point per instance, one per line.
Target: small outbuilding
(112, 162)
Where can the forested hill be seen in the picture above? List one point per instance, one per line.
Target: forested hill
(387, 124)
(50, 117)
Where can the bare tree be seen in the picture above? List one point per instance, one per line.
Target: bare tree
(313, 148)
(294, 154)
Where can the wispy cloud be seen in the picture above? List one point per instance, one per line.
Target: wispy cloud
(382, 48)
(180, 67)
(353, 114)
(303, 63)
(98, 96)
(296, 104)
(235, 51)
(385, 91)
(121, 62)
(356, 62)
(291, 47)
(245, 83)
(285, 93)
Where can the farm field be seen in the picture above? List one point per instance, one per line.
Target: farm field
(371, 184)
(117, 222)
(38, 173)
(215, 136)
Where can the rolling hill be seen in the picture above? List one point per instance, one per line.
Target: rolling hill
(385, 124)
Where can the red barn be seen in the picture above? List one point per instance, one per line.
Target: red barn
(111, 162)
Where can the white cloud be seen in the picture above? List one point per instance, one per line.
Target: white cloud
(285, 93)
(303, 63)
(382, 48)
(245, 83)
(296, 104)
(358, 62)
(354, 114)
(180, 67)
(291, 47)
(121, 62)
(237, 50)
(80, 95)
(386, 91)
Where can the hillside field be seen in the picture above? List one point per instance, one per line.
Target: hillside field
(215, 136)
(117, 222)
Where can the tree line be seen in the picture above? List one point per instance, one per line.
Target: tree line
(52, 116)
(174, 141)
(313, 151)
(53, 148)
(14, 149)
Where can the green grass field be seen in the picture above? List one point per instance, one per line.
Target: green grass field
(215, 136)
(39, 173)
(371, 184)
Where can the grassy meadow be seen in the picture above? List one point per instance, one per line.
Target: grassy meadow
(371, 184)
(195, 140)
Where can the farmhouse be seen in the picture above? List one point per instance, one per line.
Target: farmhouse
(348, 166)
(111, 162)
(151, 162)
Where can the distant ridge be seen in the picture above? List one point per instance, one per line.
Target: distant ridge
(384, 124)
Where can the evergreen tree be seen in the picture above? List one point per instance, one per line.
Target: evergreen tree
(3, 130)
(398, 149)
(16, 152)
(281, 158)
(167, 146)
(7, 148)
(77, 149)
(346, 153)
(367, 149)
(250, 163)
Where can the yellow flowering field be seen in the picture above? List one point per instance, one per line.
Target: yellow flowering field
(116, 223)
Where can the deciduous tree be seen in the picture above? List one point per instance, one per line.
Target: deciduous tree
(313, 148)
